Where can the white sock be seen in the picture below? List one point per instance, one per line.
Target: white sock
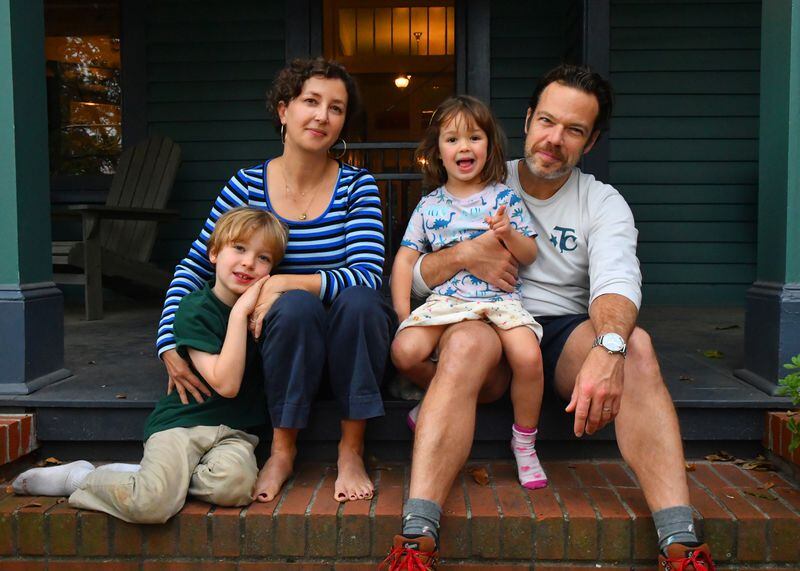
(119, 467)
(52, 480)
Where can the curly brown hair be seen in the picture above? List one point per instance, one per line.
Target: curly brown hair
(288, 84)
(475, 112)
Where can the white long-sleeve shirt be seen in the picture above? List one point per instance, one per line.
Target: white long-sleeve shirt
(587, 247)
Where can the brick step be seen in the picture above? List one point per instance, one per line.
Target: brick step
(17, 437)
(593, 514)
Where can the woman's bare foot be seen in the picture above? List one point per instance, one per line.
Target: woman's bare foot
(353, 483)
(273, 475)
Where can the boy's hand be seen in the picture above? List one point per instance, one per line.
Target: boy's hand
(500, 224)
(268, 295)
(247, 301)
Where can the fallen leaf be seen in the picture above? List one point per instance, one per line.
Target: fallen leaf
(713, 354)
(9, 490)
(685, 378)
(762, 495)
(791, 413)
(92, 363)
(690, 467)
(730, 497)
(480, 475)
(767, 486)
(32, 505)
(758, 466)
(61, 500)
(103, 386)
(726, 327)
(121, 396)
(720, 456)
(52, 460)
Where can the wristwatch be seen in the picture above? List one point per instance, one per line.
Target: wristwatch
(612, 343)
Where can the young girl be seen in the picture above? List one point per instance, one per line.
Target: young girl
(461, 153)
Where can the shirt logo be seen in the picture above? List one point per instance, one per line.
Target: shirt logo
(566, 241)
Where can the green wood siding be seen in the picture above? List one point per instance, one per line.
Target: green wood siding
(208, 67)
(684, 143)
(526, 39)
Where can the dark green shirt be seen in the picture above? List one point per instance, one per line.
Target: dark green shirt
(201, 323)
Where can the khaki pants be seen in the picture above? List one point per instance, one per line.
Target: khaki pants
(215, 464)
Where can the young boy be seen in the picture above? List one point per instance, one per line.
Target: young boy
(200, 448)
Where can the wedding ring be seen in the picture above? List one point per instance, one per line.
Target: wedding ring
(606, 410)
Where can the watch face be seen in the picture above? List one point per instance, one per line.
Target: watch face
(613, 342)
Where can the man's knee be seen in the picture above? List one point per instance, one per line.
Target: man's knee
(641, 360)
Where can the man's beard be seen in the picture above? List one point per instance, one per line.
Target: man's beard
(530, 160)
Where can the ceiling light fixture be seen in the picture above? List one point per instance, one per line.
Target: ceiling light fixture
(401, 81)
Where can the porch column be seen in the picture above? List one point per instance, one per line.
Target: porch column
(772, 326)
(31, 307)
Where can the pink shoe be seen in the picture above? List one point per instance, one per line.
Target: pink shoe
(411, 417)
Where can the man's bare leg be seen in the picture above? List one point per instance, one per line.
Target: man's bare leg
(647, 427)
(352, 483)
(468, 352)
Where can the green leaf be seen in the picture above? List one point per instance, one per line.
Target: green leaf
(713, 354)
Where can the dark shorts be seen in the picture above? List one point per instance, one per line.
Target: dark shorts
(556, 332)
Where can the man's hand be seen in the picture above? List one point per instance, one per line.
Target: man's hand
(486, 258)
(598, 390)
(182, 379)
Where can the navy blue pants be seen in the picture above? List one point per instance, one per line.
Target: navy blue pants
(302, 339)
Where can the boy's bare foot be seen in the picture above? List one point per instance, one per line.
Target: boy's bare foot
(273, 475)
(353, 483)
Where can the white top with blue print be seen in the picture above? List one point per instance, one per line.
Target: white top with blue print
(441, 220)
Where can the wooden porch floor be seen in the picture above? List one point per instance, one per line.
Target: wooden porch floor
(117, 374)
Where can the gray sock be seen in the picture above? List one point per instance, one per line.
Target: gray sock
(674, 525)
(421, 517)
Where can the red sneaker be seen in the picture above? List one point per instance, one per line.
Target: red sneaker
(411, 554)
(680, 557)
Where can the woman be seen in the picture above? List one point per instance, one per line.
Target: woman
(321, 309)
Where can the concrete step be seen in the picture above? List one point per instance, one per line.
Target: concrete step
(592, 516)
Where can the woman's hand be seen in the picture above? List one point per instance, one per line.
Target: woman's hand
(270, 292)
(182, 379)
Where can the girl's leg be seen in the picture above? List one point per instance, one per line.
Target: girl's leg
(293, 357)
(521, 348)
(360, 327)
(411, 350)
(226, 474)
(276, 471)
(527, 383)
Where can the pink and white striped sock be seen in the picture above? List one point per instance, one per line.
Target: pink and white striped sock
(530, 472)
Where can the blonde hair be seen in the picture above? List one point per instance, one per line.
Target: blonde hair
(475, 113)
(241, 223)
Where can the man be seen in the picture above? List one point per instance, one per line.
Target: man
(585, 289)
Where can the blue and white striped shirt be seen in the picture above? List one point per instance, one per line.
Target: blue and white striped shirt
(344, 245)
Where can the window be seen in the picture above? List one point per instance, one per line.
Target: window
(402, 53)
(83, 65)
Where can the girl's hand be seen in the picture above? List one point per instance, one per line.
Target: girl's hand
(247, 301)
(500, 224)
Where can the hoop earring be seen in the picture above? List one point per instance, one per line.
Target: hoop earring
(344, 150)
(283, 134)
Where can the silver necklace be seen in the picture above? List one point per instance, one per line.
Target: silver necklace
(303, 211)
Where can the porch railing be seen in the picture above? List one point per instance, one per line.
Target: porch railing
(399, 182)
